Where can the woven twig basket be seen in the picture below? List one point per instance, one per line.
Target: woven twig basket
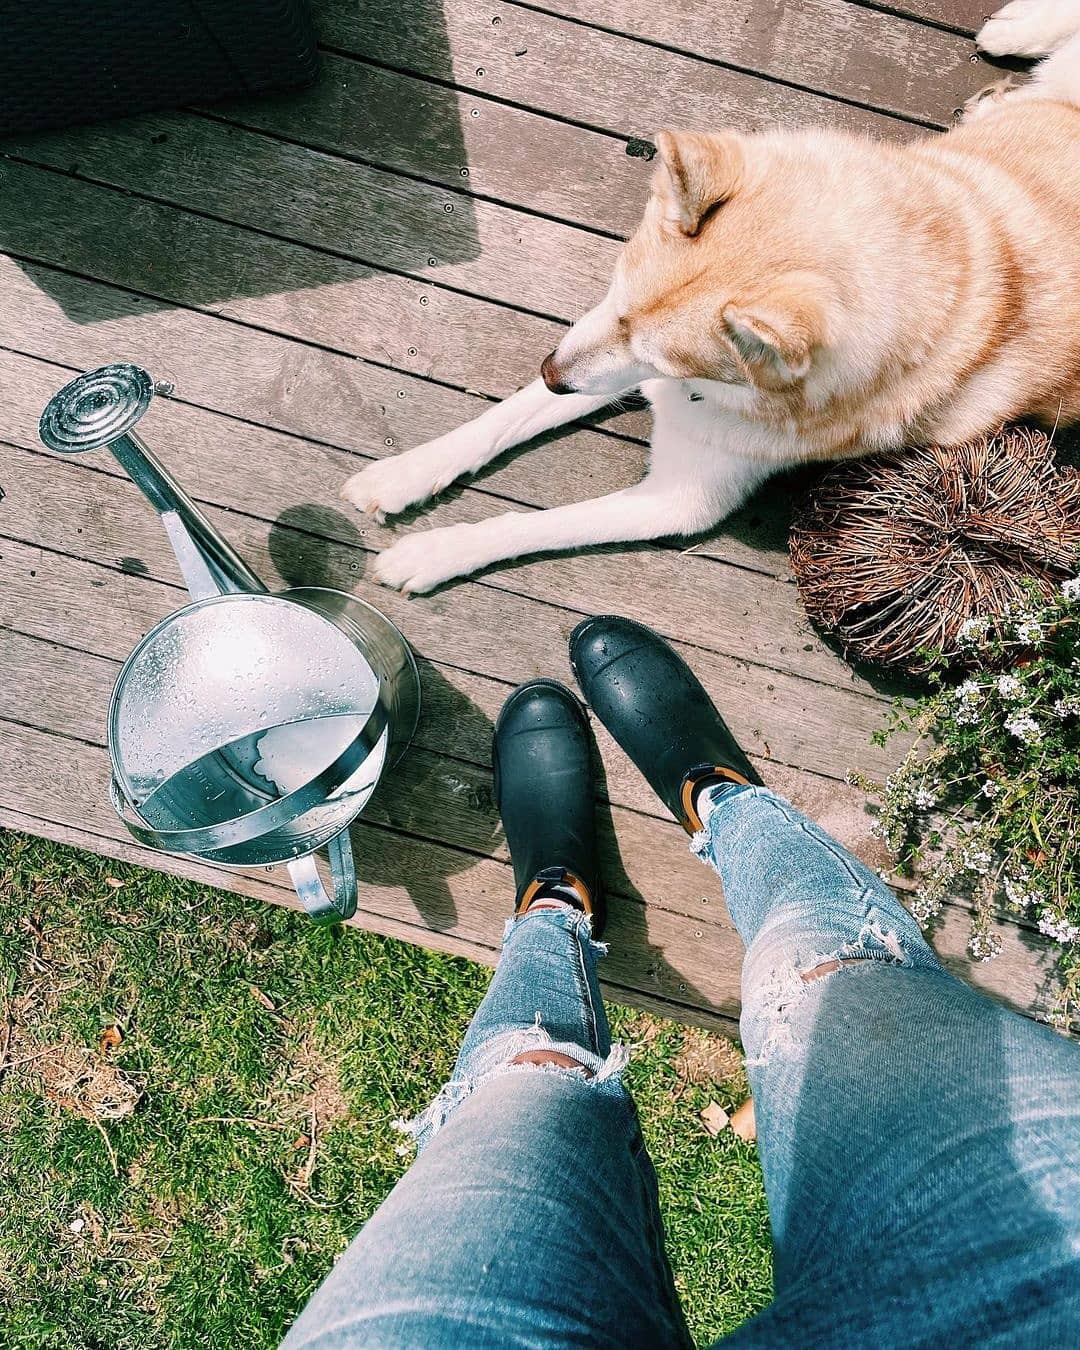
(893, 553)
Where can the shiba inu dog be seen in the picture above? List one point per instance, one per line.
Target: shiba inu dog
(799, 296)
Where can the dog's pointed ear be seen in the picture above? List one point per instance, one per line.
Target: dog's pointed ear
(777, 329)
(697, 172)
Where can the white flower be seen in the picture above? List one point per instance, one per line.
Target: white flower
(971, 630)
(976, 860)
(1059, 929)
(1024, 727)
(1010, 688)
(984, 946)
(968, 696)
(1029, 631)
(1070, 589)
(990, 788)
(1067, 707)
(925, 798)
(924, 907)
(1019, 892)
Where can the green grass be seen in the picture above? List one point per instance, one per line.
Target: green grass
(204, 1215)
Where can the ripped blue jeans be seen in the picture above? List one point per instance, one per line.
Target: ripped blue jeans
(920, 1144)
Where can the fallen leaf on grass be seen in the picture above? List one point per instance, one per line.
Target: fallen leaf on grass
(110, 1039)
(114, 882)
(261, 998)
(302, 1141)
(743, 1122)
(714, 1118)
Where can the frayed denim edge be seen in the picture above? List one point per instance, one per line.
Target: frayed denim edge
(494, 1056)
(596, 1072)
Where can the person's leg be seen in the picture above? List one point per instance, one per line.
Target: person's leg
(920, 1143)
(530, 1216)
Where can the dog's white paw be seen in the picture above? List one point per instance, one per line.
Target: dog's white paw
(420, 562)
(1029, 27)
(390, 485)
(990, 99)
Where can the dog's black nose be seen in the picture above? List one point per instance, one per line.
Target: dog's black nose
(554, 381)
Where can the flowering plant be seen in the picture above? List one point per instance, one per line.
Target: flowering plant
(987, 801)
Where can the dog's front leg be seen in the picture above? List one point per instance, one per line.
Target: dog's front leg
(651, 510)
(390, 485)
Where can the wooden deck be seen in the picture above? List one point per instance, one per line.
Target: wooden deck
(346, 272)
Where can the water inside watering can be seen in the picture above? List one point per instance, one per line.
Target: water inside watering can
(287, 754)
(272, 687)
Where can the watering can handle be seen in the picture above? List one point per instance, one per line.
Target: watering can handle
(323, 907)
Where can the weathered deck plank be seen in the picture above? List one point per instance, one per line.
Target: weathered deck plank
(828, 47)
(868, 56)
(369, 216)
(581, 74)
(330, 398)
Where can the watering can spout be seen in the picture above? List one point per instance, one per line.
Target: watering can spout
(100, 409)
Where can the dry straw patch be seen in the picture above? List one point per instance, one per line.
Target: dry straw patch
(75, 1077)
(706, 1058)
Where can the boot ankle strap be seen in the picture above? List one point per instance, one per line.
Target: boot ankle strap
(691, 821)
(555, 876)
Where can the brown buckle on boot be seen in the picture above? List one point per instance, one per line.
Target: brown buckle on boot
(691, 821)
(554, 876)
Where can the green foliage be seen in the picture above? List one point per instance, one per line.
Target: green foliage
(987, 801)
(191, 1185)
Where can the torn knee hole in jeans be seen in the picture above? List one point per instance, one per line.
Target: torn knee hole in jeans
(529, 1050)
(555, 1058)
(828, 967)
(778, 995)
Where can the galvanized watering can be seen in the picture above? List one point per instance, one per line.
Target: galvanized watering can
(247, 728)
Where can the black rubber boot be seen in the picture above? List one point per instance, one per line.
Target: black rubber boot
(544, 792)
(653, 704)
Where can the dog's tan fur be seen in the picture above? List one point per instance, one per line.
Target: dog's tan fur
(794, 296)
(926, 292)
